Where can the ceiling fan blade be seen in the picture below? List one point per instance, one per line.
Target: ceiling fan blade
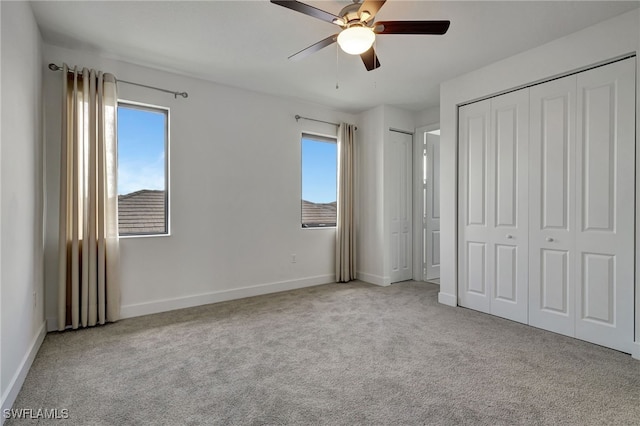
(308, 10)
(412, 27)
(371, 7)
(370, 59)
(314, 48)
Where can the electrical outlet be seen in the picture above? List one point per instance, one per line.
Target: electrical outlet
(293, 258)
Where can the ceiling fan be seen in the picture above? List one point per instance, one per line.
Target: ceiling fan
(359, 29)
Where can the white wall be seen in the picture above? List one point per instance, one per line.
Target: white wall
(234, 193)
(373, 232)
(427, 117)
(21, 198)
(370, 181)
(601, 42)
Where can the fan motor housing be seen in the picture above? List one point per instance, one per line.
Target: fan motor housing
(349, 14)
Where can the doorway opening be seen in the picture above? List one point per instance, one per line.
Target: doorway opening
(427, 206)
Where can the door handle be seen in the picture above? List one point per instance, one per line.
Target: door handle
(550, 240)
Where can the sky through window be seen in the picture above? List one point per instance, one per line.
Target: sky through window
(141, 149)
(319, 170)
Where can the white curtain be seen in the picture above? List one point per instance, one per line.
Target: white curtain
(345, 228)
(88, 287)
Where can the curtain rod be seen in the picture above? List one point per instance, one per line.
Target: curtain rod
(299, 117)
(54, 67)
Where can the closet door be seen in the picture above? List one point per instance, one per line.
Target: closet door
(475, 248)
(605, 166)
(493, 205)
(552, 206)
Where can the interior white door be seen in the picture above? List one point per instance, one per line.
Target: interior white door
(401, 205)
(431, 207)
(493, 266)
(605, 170)
(552, 200)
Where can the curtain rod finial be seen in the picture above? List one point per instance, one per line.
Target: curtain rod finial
(54, 67)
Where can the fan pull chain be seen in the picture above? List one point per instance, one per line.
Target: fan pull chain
(337, 57)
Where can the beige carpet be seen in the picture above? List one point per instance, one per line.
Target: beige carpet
(337, 354)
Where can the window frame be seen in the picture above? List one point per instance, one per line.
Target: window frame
(167, 136)
(322, 138)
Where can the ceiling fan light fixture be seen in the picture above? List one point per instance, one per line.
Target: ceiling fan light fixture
(356, 40)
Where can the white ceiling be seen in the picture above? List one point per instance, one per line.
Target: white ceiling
(246, 43)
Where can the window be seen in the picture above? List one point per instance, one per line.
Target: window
(142, 169)
(319, 179)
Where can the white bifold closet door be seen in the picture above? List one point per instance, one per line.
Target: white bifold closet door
(582, 173)
(547, 204)
(493, 247)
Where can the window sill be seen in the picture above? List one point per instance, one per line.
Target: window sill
(128, 237)
(316, 228)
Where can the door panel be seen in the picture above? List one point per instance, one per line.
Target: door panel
(506, 138)
(476, 268)
(605, 198)
(598, 162)
(395, 251)
(555, 282)
(435, 250)
(598, 288)
(552, 205)
(506, 272)
(476, 164)
(555, 137)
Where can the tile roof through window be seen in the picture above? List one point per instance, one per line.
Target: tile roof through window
(318, 214)
(142, 212)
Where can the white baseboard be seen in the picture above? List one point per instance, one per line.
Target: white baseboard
(157, 306)
(17, 381)
(635, 351)
(447, 299)
(374, 279)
